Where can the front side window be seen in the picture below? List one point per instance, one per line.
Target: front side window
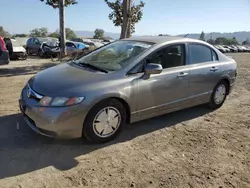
(116, 55)
(170, 56)
(200, 54)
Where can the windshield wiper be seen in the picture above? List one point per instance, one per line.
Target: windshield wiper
(93, 67)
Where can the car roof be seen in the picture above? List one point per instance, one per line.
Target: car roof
(163, 39)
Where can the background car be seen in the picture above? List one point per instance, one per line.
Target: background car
(42, 46)
(4, 54)
(221, 49)
(72, 46)
(230, 48)
(247, 48)
(18, 50)
(225, 49)
(89, 42)
(240, 49)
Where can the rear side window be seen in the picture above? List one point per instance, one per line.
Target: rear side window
(200, 54)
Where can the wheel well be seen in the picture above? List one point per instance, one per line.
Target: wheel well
(228, 84)
(127, 108)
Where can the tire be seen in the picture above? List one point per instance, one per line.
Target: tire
(40, 53)
(217, 102)
(91, 126)
(28, 52)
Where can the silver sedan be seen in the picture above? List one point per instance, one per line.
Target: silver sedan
(123, 82)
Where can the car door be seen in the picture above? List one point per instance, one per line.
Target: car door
(36, 45)
(29, 45)
(70, 47)
(167, 90)
(205, 72)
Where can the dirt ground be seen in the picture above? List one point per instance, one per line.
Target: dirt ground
(191, 148)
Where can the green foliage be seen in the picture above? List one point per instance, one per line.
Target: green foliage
(55, 3)
(117, 13)
(70, 34)
(202, 36)
(39, 32)
(246, 42)
(99, 34)
(3, 33)
(226, 41)
(54, 34)
(211, 41)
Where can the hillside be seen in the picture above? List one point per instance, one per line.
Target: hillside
(240, 36)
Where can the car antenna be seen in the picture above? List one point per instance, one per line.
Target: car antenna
(186, 35)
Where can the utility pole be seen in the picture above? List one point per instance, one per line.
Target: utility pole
(62, 28)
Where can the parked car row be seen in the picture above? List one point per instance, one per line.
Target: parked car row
(232, 48)
(11, 49)
(47, 46)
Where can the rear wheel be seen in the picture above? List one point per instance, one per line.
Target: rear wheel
(219, 95)
(104, 121)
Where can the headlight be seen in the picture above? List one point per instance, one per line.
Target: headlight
(60, 101)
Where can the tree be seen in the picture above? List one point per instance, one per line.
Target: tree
(70, 34)
(39, 32)
(20, 35)
(133, 15)
(55, 3)
(3, 33)
(226, 41)
(202, 36)
(61, 4)
(54, 34)
(246, 42)
(211, 41)
(99, 34)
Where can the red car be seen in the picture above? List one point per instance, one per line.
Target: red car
(4, 54)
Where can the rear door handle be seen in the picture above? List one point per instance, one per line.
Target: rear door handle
(182, 74)
(214, 69)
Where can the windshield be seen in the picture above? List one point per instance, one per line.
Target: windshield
(114, 56)
(15, 43)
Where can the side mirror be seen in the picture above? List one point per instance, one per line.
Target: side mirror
(153, 68)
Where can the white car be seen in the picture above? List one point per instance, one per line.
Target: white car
(18, 50)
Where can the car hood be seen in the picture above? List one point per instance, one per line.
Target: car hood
(65, 80)
(18, 49)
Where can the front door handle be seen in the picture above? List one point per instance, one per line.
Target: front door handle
(182, 74)
(214, 69)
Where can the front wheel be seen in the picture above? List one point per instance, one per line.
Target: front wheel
(219, 95)
(40, 54)
(104, 121)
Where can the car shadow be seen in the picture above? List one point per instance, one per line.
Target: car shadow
(17, 71)
(23, 151)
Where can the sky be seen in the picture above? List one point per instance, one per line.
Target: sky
(159, 16)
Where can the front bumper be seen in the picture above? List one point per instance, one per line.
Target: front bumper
(58, 122)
